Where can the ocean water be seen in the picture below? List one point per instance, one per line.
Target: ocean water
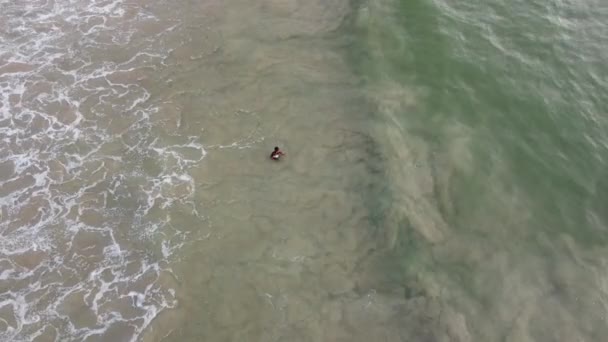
(444, 177)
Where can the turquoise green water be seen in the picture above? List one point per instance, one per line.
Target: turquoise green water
(508, 102)
(525, 91)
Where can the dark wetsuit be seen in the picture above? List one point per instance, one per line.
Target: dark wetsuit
(275, 155)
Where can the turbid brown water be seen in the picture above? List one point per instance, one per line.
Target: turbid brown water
(286, 252)
(158, 193)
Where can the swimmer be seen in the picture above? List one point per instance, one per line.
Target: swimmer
(276, 154)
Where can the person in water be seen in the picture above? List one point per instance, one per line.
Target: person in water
(276, 154)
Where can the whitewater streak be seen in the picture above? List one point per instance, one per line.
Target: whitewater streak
(85, 232)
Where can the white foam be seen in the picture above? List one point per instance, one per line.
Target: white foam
(59, 172)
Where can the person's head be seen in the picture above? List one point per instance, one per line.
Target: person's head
(276, 148)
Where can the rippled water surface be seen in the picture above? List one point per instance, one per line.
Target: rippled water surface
(444, 177)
